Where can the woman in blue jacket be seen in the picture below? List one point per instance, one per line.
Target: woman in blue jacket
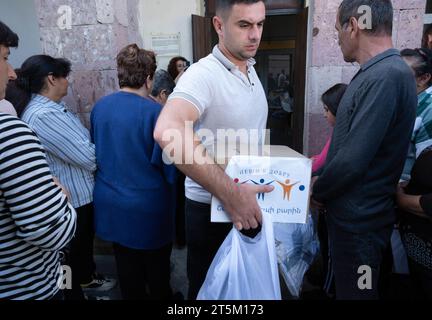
(134, 192)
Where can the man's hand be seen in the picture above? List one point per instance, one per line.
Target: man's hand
(409, 203)
(243, 207)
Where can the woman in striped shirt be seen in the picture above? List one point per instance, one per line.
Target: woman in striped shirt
(70, 154)
(36, 220)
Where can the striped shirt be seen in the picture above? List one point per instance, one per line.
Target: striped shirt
(422, 134)
(36, 220)
(70, 153)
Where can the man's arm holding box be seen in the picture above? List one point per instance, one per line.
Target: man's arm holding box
(239, 200)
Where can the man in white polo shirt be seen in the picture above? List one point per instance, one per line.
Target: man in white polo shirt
(221, 91)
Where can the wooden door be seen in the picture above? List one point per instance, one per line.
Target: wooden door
(300, 80)
(202, 37)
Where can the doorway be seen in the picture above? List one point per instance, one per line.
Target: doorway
(275, 66)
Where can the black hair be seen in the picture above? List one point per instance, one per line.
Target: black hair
(8, 38)
(381, 15)
(172, 66)
(31, 78)
(333, 96)
(423, 58)
(224, 5)
(17, 97)
(427, 31)
(162, 81)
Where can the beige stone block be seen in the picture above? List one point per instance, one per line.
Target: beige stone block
(105, 11)
(319, 81)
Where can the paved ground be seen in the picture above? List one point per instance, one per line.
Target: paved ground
(106, 265)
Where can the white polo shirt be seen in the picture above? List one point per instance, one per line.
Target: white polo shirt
(226, 99)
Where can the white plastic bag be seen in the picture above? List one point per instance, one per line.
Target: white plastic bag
(297, 246)
(244, 268)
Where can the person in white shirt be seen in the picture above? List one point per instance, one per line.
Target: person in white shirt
(7, 107)
(221, 91)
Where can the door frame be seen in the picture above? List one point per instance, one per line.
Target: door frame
(272, 10)
(299, 77)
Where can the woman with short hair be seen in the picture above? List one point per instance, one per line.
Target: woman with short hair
(134, 193)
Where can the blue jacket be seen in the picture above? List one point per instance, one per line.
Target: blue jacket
(134, 196)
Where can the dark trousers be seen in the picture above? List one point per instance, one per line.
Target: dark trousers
(144, 274)
(328, 278)
(421, 278)
(59, 296)
(180, 232)
(80, 253)
(349, 252)
(203, 239)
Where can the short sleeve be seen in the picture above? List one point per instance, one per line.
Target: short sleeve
(194, 87)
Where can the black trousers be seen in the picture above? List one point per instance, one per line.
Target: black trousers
(144, 274)
(59, 296)
(203, 239)
(327, 279)
(422, 280)
(180, 231)
(79, 255)
(349, 253)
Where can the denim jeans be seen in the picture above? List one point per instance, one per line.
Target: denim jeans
(352, 251)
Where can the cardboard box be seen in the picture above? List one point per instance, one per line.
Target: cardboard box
(285, 169)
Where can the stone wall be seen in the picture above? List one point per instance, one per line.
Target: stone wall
(99, 29)
(326, 65)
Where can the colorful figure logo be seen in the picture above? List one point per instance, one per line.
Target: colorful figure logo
(237, 181)
(287, 188)
(262, 183)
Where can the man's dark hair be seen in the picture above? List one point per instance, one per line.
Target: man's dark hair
(333, 96)
(225, 5)
(381, 11)
(8, 38)
(162, 81)
(423, 61)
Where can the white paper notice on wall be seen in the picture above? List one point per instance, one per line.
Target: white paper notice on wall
(291, 178)
(166, 44)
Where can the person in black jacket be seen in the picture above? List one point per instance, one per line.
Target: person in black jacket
(415, 209)
(368, 149)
